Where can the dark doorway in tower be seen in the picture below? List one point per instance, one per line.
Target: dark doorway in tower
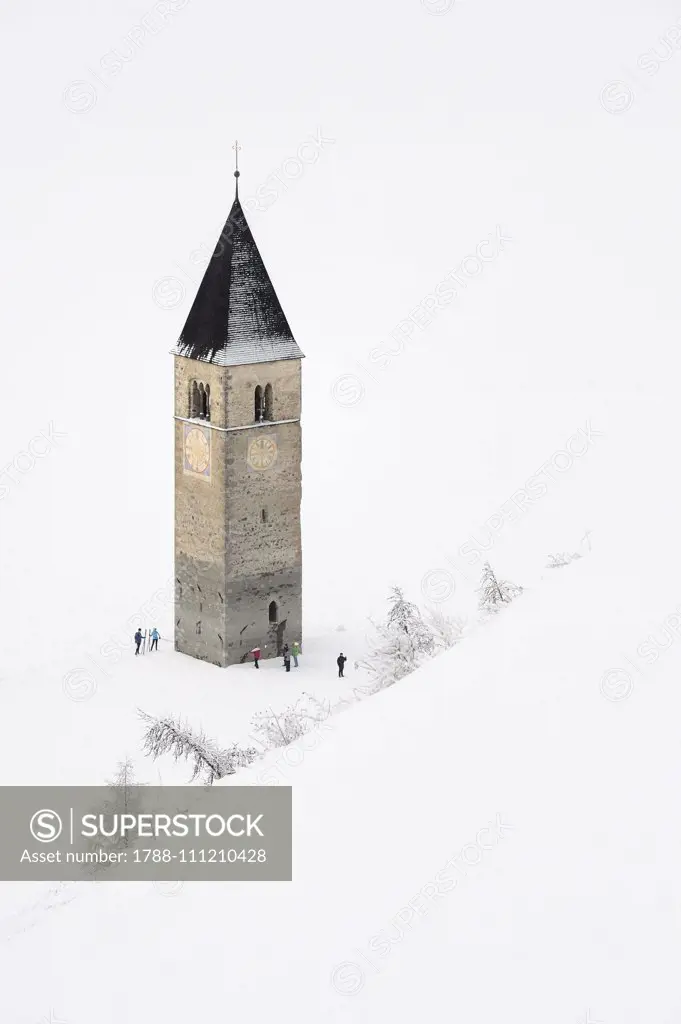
(281, 630)
(273, 611)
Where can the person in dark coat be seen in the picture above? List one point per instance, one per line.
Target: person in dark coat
(138, 640)
(287, 659)
(256, 656)
(340, 661)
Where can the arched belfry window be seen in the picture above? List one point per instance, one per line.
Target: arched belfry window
(258, 405)
(273, 611)
(268, 403)
(199, 401)
(194, 400)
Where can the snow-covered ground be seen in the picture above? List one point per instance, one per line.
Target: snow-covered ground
(88, 718)
(495, 837)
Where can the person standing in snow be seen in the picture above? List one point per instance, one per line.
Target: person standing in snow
(256, 656)
(340, 661)
(155, 637)
(295, 651)
(138, 640)
(287, 659)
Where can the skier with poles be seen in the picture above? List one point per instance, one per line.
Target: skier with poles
(138, 640)
(155, 637)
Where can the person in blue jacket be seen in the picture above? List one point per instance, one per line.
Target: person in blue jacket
(155, 637)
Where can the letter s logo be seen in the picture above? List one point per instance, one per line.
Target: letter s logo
(46, 826)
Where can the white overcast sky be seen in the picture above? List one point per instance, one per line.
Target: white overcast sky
(532, 117)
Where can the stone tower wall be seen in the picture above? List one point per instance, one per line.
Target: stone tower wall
(237, 532)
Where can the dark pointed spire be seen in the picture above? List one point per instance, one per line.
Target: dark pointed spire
(236, 317)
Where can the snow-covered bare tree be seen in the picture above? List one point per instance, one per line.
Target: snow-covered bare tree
(124, 797)
(210, 761)
(447, 630)
(494, 593)
(392, 655)
(405, 617)
(124, 783)
(280, 729)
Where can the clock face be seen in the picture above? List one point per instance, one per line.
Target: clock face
(262, 453)
(197, 451)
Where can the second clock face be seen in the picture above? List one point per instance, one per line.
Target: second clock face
(262, 453)
(197, 451)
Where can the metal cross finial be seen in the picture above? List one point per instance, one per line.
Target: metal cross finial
(236, 147)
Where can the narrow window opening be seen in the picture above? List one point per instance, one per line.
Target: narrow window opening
(194, 401)
(198, 628)
(273, 611)
(263, 515)
(206, 402)
(268, 402)
(202, 402)
(258, 404)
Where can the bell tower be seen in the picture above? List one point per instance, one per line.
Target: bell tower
(238, 450)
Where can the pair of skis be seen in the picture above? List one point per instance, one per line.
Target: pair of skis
(146, 636)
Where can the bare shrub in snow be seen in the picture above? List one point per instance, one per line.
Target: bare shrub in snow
(561, 559)
(278, 730)
(210, 761)
(405, 617)
(495, 593)
(447, 630)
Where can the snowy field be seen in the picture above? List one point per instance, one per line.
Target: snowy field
(496, 836)
(541, 137)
